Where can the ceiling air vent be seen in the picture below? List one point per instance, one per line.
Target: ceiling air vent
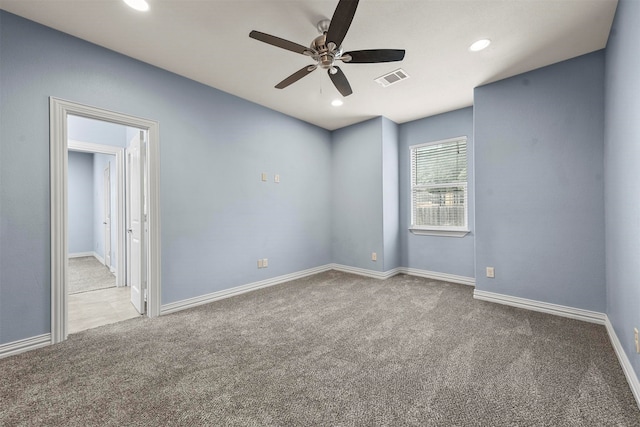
(392, 77)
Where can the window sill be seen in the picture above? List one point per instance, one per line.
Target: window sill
(442, 233)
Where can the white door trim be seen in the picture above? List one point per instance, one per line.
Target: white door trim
(58, 112)
(106, 210)
(88, 147)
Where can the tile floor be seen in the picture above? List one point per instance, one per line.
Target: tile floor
(96, 308)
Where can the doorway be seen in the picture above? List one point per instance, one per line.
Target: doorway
(101, 235)
(97, 292)
(148, 273)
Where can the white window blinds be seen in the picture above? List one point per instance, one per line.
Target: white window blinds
(439, 185)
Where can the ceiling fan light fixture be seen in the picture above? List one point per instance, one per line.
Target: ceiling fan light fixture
(479, 45)
(337, 102)
(140, 5)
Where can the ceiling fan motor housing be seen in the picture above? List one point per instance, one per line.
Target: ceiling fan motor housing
(325, 56)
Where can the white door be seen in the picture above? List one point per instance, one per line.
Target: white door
(135, 221)
(107, 215)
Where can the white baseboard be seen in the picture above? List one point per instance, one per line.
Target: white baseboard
(544, 307)
(98, 257)
(226, 293)
(625, 363)
(365, 272)
(26, 344)
(80, 254)
(445, 277)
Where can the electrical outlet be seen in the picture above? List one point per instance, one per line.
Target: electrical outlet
(374, 256)
(265, 263)
(635, 331)
(260, 264)
(491, 273)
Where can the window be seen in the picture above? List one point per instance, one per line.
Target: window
(439, 187)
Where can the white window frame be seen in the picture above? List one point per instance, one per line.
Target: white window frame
(432, 230)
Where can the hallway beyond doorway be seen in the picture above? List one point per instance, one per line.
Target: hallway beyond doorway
(88, 274)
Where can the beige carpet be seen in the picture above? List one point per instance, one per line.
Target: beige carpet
(328, 350)
(88, 274)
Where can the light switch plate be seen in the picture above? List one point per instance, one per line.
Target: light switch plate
(264, 176)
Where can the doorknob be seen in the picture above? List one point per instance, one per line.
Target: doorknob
(130, 231)
(105, 223)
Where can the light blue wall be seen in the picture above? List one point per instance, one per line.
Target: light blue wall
(217, 216)
(450, 255)
(390, 195)
(539, 184)
(80, 193)
(622, 176)
(365, 212)
(357, 215)
(96, 131)
(24, 205)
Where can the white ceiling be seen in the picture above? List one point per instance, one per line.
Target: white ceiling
(208, 41)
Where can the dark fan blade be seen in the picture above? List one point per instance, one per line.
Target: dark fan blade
(341, 21)
(340, 81)
(295, 76)
(278, 42)
(374, 55)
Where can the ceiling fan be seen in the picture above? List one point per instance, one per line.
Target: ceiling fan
(327, 48)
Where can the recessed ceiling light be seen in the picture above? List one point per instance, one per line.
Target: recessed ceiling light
(140, 5)
(479, 45)
(337, 102)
